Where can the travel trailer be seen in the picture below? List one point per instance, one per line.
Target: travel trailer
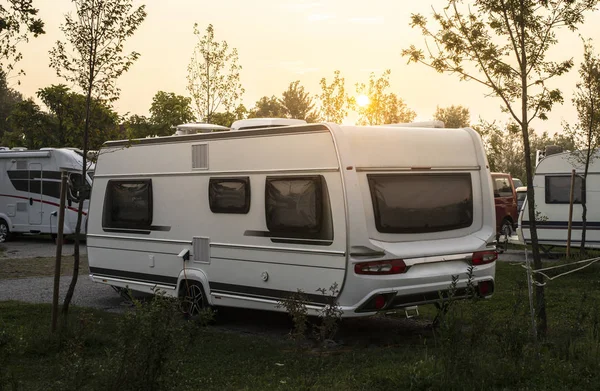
(30, 190)
(246, 218)
(552, 187)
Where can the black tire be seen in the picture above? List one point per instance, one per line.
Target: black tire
(4, 231)
(193, 298)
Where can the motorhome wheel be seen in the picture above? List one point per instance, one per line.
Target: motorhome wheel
(193, 299)
(4, 231)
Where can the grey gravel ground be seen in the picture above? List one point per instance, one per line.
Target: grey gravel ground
(35, 246)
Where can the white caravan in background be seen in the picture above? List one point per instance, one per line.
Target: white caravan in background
(245, 218)
(552, 186)
(30, 190)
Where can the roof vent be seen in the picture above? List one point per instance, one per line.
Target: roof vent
(193, 128)
(256, 123)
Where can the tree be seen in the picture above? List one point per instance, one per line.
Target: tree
(96, 35)
(503, 45)
(169, 109)
(586, 132)
(29, 126)
(8, 99)
(18, 20)
(228, 118)
(138, 126)
(383, 108)
(57, 99)
(213, 75)
(298, 104)
(267, 107)
(453, 116)
(335, 102)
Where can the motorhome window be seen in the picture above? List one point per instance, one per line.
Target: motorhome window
(78, 186)
(128, 204)
(294, 205)
(558, 190)
(412, 203)
(502, 187)
(229, 195)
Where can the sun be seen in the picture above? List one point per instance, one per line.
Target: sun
(362, 100)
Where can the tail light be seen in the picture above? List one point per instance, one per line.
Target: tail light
(483, 257)
(390, 266)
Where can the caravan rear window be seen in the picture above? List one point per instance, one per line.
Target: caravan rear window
(558, 190)
(409, 203)
(128, 204)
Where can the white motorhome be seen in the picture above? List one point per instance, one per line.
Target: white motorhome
(245, 218)
(552, 187)
(30, 190)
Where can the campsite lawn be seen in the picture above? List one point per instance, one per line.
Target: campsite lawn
(483, 345)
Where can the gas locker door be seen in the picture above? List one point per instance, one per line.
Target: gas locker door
(35, 193)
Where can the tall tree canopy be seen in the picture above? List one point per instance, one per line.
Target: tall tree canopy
(297, 103)
(267, 107)
(18, 21)
(8, 99)
(169, 109)
(382, 107)
(453, 116)
(213, 75)
(334, 101)
(504, 45)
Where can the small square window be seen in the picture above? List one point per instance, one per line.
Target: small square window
(229, 195)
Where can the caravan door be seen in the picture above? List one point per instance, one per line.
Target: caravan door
(35, 194)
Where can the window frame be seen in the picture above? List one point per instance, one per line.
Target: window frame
(404, 231)
(219, 209)
(320, 208)
(108, 223)
(547, 198)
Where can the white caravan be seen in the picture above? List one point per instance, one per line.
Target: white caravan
(245, 218)
(552, 186)
(30, 191)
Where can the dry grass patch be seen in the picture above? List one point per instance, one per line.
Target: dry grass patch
(39, 267)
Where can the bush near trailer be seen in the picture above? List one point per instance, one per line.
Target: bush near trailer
(478, 344)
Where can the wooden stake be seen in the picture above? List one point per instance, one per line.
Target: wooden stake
(570, 213)
(59, 243)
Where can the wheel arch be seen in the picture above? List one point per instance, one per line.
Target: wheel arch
(194, 275)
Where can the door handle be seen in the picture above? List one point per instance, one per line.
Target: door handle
(30, 201)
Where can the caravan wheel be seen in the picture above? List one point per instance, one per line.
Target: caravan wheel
(193, 300)
(4, 231)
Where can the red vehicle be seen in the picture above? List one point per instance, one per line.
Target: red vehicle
(505, 198)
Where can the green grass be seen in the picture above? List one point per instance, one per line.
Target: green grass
(483, 345)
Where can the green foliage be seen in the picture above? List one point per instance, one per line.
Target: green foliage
(334, 100)
(213, 75)
(330, 315)
(453, 116)
(138, 126)
(383, 108)
(228, 118)
(298, 104)
(18, 21)
(8, 100)
(29, 126)
(169, 109)
(267, 107)
(295, 306)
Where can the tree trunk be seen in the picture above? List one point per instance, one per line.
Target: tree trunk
(542, 325)
(88, 101)
(584, 207)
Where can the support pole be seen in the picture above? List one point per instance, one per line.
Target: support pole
(570, 213)
(59, 243)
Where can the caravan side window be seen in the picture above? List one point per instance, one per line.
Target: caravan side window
(128, 204)
(229, 195)
(558, 190)
(298, 207)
